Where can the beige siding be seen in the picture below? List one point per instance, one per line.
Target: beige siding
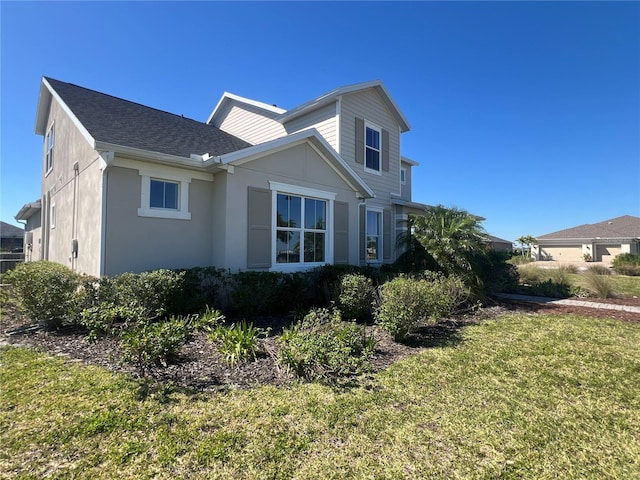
(368, 105)
(289, 166)
(322, 119)
(606, 253)
(136, 244)
(77, 197)
(567, 253)
(405, 190)
(249, 123)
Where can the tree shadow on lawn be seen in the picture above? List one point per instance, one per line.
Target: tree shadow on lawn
(445, 333)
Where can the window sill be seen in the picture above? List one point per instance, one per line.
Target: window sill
(170, 214)
(372, 171)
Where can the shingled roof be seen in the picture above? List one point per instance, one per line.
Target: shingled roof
(626, 226)
(116, 121)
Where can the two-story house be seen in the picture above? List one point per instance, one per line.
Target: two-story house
(130, 188)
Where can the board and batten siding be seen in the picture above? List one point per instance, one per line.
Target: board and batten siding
(322, 119)
(251, 124)
(368, 106)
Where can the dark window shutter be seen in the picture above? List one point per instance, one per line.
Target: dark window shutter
(259, 228)
(386, 234)
(363, 235)
(341, 233)
(385, 150)
(359, 140)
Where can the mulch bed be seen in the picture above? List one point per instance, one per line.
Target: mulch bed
(201, 368)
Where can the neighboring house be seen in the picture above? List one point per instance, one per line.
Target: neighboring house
(30, 213)
(11, 237)
(499, 244)
(600, 242)
(130, 188)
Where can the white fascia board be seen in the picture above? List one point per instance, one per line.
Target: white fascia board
(226, 97)
(154, 157)
(332, 96)
(43, 110)
(408, 161)
(315, 140)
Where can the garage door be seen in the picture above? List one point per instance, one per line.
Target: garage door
(606, 253)
(567, 253)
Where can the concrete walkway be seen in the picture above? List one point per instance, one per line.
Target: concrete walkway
(576, 303)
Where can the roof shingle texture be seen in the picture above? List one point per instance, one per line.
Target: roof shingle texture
(626, 226)
(121, 122)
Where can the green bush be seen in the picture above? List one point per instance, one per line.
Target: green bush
(627, 264)
(45, 291)
(323, 347)
(355, 297)
(599, 270)
(238, 343)
(405, 303)
(148, 345)
(128, 300)
(549, 288)
(530, 274)
(598, 285)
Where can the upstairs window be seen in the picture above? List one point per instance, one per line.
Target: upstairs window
(48, 145)
(403, 176)
(372, 148)
(164, 194)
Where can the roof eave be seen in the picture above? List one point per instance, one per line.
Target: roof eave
(154, 157)
(315, 139)
(28, 210)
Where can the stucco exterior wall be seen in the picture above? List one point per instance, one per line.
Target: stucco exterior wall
(136, 244)
(299, 165)
(75, 193)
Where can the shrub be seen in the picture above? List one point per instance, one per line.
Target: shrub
(255, 293)
(599, 270)
(599, 285)
(530, 274)
(355, 297)
(128, 300)
(237, 343)
(45, 291)
(549, 288)
(405, 303)
(627, 264)
(324, 347)
(148, 345)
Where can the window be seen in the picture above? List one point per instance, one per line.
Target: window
(48, 145)
(301, 229)
(53, 215)
(403, 176)
(302, 219)
(372, 148)
(374, 236)
(164, 194)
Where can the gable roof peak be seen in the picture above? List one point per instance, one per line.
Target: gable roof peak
(333, 95)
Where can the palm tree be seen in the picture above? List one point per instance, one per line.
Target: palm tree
(525, 242)
(454, 238)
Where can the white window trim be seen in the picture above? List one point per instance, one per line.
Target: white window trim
(380, 211)
(378, 129)
(52, 214)
(276, 188)
(145, 210)
(48, 168)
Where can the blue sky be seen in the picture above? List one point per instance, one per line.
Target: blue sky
(527, 114)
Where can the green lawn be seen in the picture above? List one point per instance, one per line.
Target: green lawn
(517, 397)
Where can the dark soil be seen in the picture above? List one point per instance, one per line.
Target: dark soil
(201, 368)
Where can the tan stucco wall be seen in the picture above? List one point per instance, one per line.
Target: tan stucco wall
(77, 196)
(135, 244)
(288, 166)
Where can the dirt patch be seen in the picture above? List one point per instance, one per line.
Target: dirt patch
(202, 369)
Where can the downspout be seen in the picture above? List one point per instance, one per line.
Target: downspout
(106, 160)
